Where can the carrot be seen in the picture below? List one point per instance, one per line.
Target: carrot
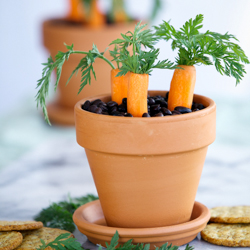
(76, 12)
(137, 94)
(119, 86)
(119, 13)
(182, 87)
(120, 17)
(95, 18)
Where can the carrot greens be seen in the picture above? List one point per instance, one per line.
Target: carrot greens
(85, 66)
(206, 48)
(141, 61)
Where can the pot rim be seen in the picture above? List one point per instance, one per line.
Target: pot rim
(149, 120)
(51, 24)
(192, 131)
(141, 232)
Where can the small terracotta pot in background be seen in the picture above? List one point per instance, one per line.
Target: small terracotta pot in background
(146, 170)
(56, 32)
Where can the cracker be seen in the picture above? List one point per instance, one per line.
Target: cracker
(31, 239)
(19, 225)
(10, 240)
(237, 214)
(231, 235)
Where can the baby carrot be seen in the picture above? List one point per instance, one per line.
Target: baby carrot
(119, 13)
(137, 94)
(76, 12)
(95, 18)
(182, 87)
(119, 86)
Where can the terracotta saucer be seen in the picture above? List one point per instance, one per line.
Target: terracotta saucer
(90, 221)
(61, 115)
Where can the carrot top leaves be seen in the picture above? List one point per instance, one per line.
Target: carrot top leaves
(85, 66)
(140, 62)
(206, 48)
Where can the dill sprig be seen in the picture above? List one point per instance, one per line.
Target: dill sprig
(85, 66)
(155, 10)
(205, 48)
(130, 246)
(64, 242)
(141, 61)
(59, 215)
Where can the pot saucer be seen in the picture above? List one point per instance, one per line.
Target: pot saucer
(60, 115)
(90, 221)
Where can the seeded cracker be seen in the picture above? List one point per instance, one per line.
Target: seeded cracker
(10, 240)
(19, 225)
(31, 239)
(231, 235)
(238, 214)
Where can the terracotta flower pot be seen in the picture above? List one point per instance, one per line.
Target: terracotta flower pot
(146, 170)
(57, 32)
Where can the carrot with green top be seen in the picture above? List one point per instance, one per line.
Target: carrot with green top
(117, 13)
(95, 18)
(194, 48)
(137, 66)
(140, 63)
(76, 11)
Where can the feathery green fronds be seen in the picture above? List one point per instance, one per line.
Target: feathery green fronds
(209, 48)
(59, 215)
(141, 61)
(63, 242)
(85, 66)
(130, 246)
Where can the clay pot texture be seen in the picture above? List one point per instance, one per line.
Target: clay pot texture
(56, 32)
(146, 170)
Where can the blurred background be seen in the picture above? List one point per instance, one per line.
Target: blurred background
(22, 129)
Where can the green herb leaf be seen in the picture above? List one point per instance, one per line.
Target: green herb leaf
(130, 246)
(189, 247)
(85, 65)
(59, 215)
(206, 48)
(62, 242)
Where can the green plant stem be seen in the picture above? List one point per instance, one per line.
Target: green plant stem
(98, 55)
(85, 66)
